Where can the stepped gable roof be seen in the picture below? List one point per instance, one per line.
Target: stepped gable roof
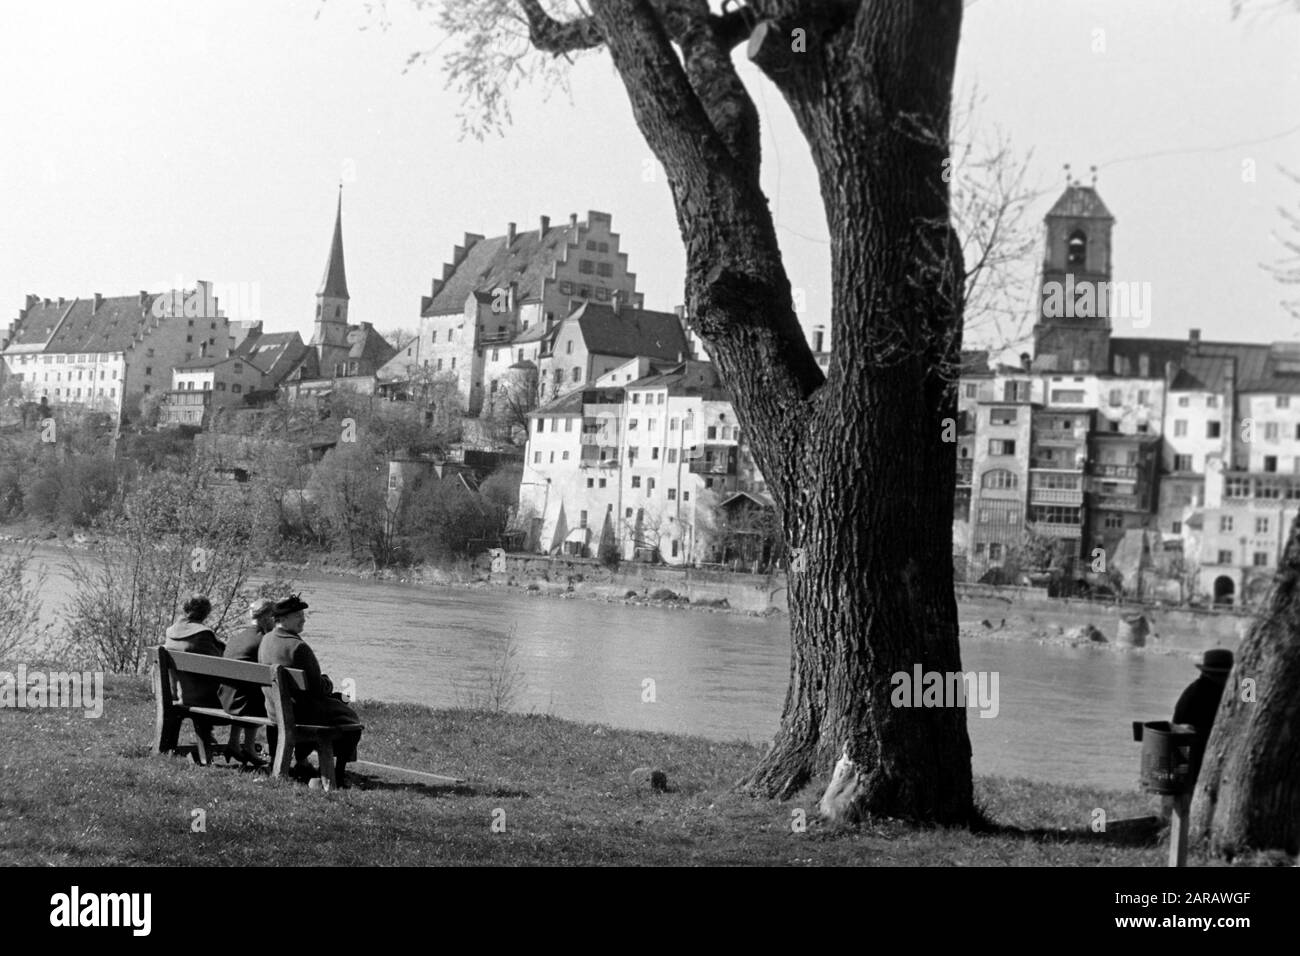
(492, 263)
(335, 281)
(1080, 202)
(76, 326)
(630, 332)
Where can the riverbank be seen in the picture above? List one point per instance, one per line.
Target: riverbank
(558, 792)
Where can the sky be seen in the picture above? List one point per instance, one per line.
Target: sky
(147, 143)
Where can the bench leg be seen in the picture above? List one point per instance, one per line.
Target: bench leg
(325, 751)
(168, 734)
(202, 746)
(283, 756)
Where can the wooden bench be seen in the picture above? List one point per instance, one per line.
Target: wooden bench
(171, 714)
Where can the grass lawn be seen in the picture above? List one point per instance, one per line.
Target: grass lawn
(78, 791)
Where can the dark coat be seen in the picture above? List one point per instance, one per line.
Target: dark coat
(243, 701)
(314, 705)
(194, 690)
(1197, 706)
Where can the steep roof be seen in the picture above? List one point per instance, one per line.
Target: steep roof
(570, 404)
(77, 326)
(1206, 366)
(630, 332)
(276, 352)
(1080, 202)
(368, 346)
(335, 282)
(494, 263)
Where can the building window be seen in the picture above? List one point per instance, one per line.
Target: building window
(1144, 397)
(711, 432)
(1284, 401)
(1067, 396)
(631, 424)
(1076, 249)
(564, 456)
(236, 388)
(1225, 523)
(568, 424)
(672, 456)
(1001, 446)
(1182, 462)
(686, 496)
(552, 461)
(537, 458)
(577, 374)
(1180, 428)
(654, 453)
(602, 483)
(1177, 527)
(649, 487)
(1000, 479)
(586, 266)
(636, 481)
(1260, 559)
(1002, 416)
(1211, 401)
(1261, 526)
(1225, 557)
(582, 519)
(970, 389)
(1182, 401)
(672, 494)
(1212, 429)
(604, 269)
(1116, 398)
(1270, 462)
(541, 424)
(995, 551)
(1270, 431)
(672, 425)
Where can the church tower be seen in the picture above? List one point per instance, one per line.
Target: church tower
(1073, 329)
(331, 330)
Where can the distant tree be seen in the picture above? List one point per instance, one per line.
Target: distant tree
(349, 485)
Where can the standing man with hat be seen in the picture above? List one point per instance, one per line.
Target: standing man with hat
(1199, 703)
(318, 704)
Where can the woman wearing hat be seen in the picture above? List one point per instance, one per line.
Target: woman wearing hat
(239, 700)
(318, 704)
(1200, 702)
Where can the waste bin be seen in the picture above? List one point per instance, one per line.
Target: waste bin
(1166, 755)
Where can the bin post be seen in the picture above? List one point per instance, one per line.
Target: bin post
(1178, 829)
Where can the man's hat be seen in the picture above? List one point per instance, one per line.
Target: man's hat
(290, 604)
(1216, 661)
(259, 606)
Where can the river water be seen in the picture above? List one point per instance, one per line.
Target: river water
(1063, 713)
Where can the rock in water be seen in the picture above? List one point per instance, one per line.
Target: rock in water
(1132, 631)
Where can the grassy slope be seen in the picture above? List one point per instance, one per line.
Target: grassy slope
(88, 792)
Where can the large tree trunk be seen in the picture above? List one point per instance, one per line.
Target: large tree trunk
(1248, 794)
(856, 461)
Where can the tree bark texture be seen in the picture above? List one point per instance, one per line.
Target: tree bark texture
(1248, 793)
(855, 460)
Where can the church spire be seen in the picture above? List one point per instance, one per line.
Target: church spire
(335, 283)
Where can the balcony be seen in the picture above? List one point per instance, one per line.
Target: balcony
(1058, 435)
(1057, 464)
(1056, 496)
(1119, 472)
(713, 460)
(187, 397)
(1119, 503)
(1053, 530)
(965, 471)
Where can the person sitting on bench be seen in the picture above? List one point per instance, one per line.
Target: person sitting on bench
(318, 704)
(243, 701)
(190, 635)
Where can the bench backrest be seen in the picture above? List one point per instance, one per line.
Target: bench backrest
(227, 670)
